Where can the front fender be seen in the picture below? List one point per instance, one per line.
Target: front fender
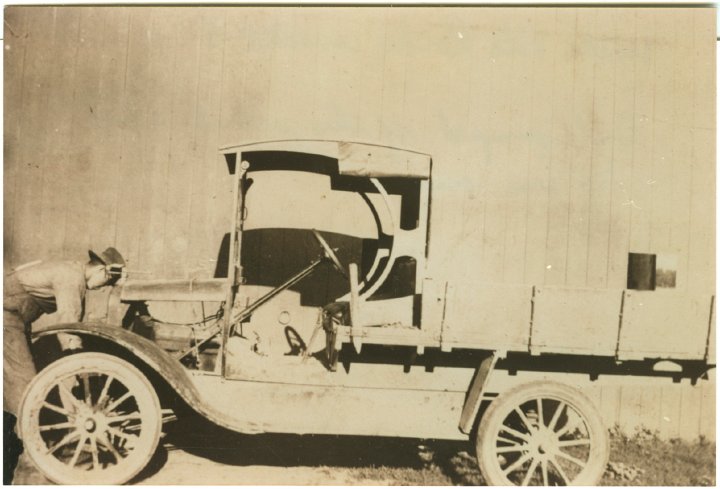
(170, 369)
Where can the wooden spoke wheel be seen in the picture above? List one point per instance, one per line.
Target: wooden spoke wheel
(544, 434)
(90, 418)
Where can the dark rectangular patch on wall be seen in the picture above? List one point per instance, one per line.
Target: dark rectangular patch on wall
(641, 271)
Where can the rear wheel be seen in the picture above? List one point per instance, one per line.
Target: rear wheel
(543, 433)
(90, 418)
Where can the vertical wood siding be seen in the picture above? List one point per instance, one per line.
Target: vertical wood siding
(562, 139)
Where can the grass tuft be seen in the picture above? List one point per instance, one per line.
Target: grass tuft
(660, 462)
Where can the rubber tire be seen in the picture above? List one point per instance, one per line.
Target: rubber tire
(122, 371)
(505, 402)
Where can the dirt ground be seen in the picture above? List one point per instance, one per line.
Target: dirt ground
(195, 452)
(184, 468)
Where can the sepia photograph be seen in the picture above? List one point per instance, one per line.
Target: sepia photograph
(379, 245)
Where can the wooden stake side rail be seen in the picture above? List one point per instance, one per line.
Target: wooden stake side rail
(624, 324)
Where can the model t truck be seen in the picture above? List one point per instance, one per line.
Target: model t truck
(392, 345)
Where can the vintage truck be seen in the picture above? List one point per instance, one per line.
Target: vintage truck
(390, 346)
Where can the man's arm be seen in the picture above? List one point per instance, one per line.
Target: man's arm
(69, 297)
(69, 294)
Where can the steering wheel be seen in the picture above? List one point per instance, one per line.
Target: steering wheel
(330, 253)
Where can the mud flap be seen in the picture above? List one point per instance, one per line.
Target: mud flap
(474, 395)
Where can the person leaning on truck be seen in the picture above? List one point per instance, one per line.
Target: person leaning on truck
(44, 287)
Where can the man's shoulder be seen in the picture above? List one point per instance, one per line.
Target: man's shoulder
(63, 265)
(68, 275)
(55, 269)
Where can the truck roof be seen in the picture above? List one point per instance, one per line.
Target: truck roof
(356, 159)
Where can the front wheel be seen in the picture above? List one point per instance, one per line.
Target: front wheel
(90, 418)
(544, 433)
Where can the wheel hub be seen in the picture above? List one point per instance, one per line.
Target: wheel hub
(545, 443)
(90, 421)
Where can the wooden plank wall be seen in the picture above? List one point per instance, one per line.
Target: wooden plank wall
(562, 138)
(670, 410)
